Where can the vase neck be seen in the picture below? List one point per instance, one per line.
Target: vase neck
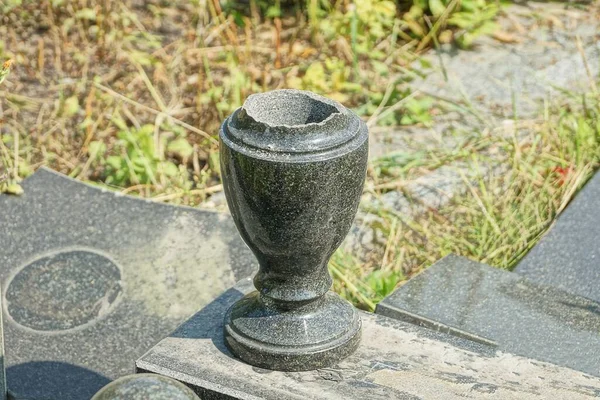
(290, 281)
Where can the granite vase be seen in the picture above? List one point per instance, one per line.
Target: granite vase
(293, 165)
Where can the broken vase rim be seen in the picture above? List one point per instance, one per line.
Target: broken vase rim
(293, 121)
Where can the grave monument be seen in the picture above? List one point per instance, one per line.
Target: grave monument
(293, 166)
(93, 281)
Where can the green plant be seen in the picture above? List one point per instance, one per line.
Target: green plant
(417, 110)
(135, 158)
(499, 217)
(475, 18)
(365, 288)
(383, 282)
(364, 23)
(9, 172)
(462, 21)
(330, 77)
(5, 70)
(7, 5)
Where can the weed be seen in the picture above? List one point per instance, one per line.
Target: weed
(364, 288)
(543, 164)
(9, 171)
(5, 70)
(446, 20)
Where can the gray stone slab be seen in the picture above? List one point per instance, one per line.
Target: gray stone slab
(485, 304)
(92, 279)
(498, 78)
(3, 391)
(395, 360)
(568, 256)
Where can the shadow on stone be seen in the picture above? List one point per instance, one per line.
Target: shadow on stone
(49, 380)
(213, 313)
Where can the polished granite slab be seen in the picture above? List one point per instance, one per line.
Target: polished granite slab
(503, 309)
(568, 256)
(395, 360)
(92, 279)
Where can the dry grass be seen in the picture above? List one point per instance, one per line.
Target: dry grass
(542, 165)
(131, 94)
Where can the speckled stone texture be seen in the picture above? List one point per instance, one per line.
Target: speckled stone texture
(145, 387)
(3, 390)
(488, 305)
(92, 279)
(293, 165)
(394, 361)
(568, 257)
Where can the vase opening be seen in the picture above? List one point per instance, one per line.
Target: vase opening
(290, 108)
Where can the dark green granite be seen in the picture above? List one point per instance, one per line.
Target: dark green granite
(92, 279)
(293, 167)
(503, 309)
(568, 257)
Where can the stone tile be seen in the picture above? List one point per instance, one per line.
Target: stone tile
(568, 256)
(501, 308)
(395, 360)
(92, 279)
(3, 390)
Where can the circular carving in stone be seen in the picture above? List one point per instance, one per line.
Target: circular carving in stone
(63, 290)
(145, 387)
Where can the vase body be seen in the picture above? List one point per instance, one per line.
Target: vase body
(293, 167)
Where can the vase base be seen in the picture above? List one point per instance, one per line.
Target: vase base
(295, 340)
